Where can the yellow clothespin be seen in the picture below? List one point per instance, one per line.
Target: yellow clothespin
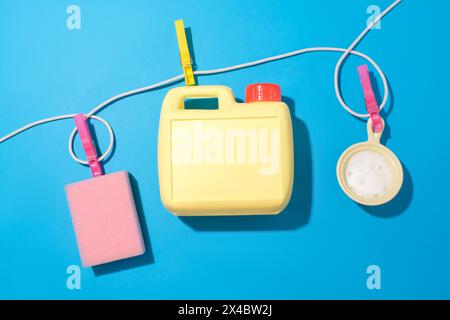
(185, 56)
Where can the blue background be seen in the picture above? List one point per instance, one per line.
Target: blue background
(322, 244)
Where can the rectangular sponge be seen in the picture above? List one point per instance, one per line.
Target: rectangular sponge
(105, 219)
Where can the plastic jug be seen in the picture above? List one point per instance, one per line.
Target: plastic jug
(233, 160)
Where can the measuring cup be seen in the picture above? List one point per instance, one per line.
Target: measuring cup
(368, 172)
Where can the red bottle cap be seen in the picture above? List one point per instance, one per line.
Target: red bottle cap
(261, 92)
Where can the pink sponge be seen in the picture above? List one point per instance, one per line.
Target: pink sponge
(105, 219)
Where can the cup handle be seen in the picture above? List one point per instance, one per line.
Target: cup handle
(374, 137)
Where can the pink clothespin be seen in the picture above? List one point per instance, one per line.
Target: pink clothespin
(88, 144)
(369, 97)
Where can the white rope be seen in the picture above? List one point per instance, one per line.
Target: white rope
(346, 52)
(105, 154)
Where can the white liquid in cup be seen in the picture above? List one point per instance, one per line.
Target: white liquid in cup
(369, 174)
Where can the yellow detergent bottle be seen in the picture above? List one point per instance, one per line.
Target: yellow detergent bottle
(233, 160)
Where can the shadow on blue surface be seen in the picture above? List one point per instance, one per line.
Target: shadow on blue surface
(190, 42)
(134, 262)
(201, 104)
(386, 110)
(296, 214)
(379, 97)
(97, 145)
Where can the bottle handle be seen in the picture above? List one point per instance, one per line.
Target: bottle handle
(175, 97)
